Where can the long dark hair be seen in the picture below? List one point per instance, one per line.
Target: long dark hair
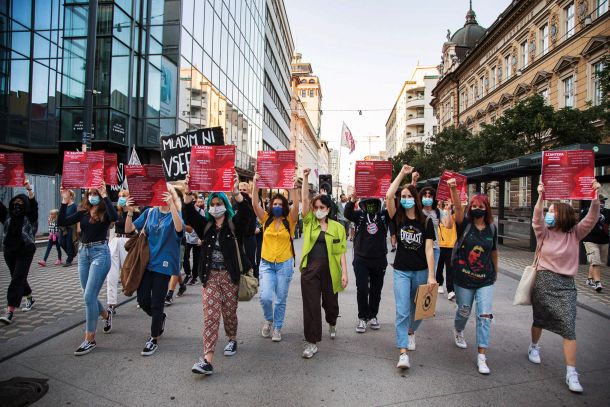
(285, 205)
(86, 206)
(401, 213)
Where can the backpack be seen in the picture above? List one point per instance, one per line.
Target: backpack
(287, 226)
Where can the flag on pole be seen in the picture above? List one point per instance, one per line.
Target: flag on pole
(347, 140)
(317, 174)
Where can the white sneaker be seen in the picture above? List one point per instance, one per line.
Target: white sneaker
(310, 350)
(374, 323)
(277, 335)
(573, 383)
(332, 329)
(361, 328)
(441, 290)
(403, 361)
(482, 364)
(460, 341)
(411, 345)
(266, 330)
(533, 354)
(451, 295)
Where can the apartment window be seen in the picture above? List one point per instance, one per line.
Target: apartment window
(524, 54)
(568, 92)
(569, 17)
(303, 93)
(492, 78)
(507, 66)
(597, 87)
(544, 39)
(602, 7)
(471, 96)
(311, 93)
(545, 95)
(482, 83)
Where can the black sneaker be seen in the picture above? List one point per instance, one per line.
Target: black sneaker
(7, 318)
(29, 304)
(598, 286)
(231, 348)
(84, 348)
(168, 301)
(108, 322)
(193, 280)
(67, 264)
(150, 347)
(181, 290)
(163, 324)
(112, 309)
(202, 367)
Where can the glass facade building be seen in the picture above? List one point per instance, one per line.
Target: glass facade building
(161, 67)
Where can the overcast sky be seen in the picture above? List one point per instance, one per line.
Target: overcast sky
(364, 50)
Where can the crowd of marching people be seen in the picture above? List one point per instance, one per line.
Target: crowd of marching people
(217, 238)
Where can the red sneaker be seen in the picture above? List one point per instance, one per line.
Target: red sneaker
(42, 263)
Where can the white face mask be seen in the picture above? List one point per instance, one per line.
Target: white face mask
(320, 214)
(217, 211)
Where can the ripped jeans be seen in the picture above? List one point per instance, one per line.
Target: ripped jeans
(483, 297)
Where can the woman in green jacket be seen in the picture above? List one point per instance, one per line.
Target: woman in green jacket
(323, 267)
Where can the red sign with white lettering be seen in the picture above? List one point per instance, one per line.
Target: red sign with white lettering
(82, 169)
(212, 168)
(568, 174)
(146, 184)
(373, 178)
(12, 173)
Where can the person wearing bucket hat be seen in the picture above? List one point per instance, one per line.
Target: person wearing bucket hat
(219, 267)
(370, 262)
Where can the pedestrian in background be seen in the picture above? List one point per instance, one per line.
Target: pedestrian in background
(53, 240)
(20, 225)
(370, 257)
(476, 269)
(414, 262)
(68, 235)
(554, 293)
(164, 228)
(323, 267)
(95, 214)
(277, 258)
(596, 245)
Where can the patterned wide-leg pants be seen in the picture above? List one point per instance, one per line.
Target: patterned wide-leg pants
(219, 298)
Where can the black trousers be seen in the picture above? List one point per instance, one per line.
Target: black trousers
(151, 297)
(186, 263)
(369, 282)
(259, 248)
(249, 243)
(444, 261)
(19, 267)
(67, 243)
(316, 282)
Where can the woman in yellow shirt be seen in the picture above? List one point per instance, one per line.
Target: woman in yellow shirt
(277, 258)
(447, 235)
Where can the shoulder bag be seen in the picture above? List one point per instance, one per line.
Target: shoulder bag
(136, 260)
(523, 295)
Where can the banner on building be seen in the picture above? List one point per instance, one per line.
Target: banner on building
(212, 168)
(147, 184)
(82, 169)
(12, 171)
(276, 169)
(111, 175)
(568, 174)
(442, 191)
(373, 178)
(176, 150)
(347, 140)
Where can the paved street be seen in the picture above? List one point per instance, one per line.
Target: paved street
(355, 368)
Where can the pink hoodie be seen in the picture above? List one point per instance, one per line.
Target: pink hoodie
(559, 251)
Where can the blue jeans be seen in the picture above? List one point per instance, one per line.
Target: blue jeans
(93, 266)
(484, 297)
(405, 288)
(437, 255)
(274, 281)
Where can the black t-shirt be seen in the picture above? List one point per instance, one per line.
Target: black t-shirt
(90, 231)
(318, 251)
(371, 232)
(412, 236)
(473, 265)
(119, 225)
(599, 233)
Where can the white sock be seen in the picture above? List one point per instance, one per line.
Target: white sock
(482, 356)
(570, 369)
(533, 345)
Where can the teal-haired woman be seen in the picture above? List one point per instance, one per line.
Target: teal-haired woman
(219, 269)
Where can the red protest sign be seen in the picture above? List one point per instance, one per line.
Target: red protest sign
(373, 178)
(82, 169)
(276, 169)
(146, 184)
(12, 172)
(442, 191)
(111, 175)
(212, 168)
(568, 174)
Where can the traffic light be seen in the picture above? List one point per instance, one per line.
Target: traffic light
(325, 181)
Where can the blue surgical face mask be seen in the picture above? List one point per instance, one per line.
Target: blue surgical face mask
(407, 203)
(549, 219)
(94, 199)
(122, 201)
(427, 201)
(278, 211)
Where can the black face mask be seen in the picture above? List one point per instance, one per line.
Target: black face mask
(477, 213)
(18, 209)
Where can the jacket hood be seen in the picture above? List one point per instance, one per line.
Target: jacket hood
(24, 198)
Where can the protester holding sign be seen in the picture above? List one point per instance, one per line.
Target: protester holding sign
(475, 264)
(414, 262)
(164, 228)
(554, 293)
(277, 258)
(95, 215)
(20, 224)
(323, 267)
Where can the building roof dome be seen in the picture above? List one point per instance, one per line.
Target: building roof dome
(471, 33)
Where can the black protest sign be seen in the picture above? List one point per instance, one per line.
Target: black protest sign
(176, 150)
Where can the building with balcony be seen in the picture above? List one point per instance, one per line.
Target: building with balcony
(553, 48)
(309, 90)
(412, 121)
